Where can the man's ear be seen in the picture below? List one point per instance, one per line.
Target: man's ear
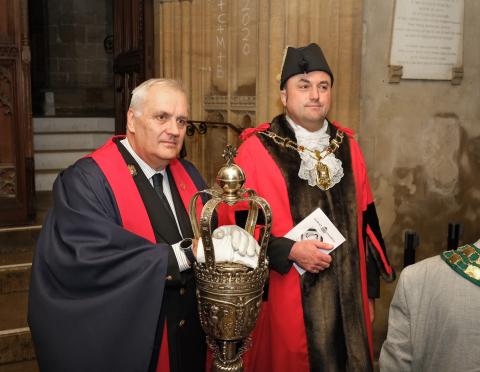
(130, 121)
(283, 97)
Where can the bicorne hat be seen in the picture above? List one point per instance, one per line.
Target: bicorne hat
(303, 60)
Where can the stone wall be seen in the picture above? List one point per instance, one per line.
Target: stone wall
(421, 140)
(229, 55)
(81, 74)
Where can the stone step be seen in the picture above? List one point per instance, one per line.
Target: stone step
(16, 252)
(13, 310)
(64, 124)
(14, 278)
(60, 141)
(44, 201)
(54, 159)
(16, 351)
(17, 244)
(23, 366)
(69, 140)
(44, 180)
(14, 283)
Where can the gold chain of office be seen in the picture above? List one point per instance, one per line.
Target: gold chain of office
(324, 178)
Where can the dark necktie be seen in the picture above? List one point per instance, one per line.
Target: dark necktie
(157, 179)
(158, 187)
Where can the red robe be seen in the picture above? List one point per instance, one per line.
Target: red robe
(280, 340)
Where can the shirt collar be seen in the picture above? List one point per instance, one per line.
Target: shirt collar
(302, 132)
(317, 140)
(146, 169)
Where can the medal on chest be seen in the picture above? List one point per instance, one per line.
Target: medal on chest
(324, 179)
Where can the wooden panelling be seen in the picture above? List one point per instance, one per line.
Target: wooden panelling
(16, 149)
(133, 30)
(8, 24)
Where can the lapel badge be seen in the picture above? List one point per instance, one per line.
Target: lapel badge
(132, 169)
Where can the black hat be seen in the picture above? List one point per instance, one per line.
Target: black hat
(303, 60)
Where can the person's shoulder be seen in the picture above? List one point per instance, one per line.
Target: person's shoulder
(188, 165)
(250, 140)
(427, 267)
(250, 144)
(425, 263)
(85, 165)
(350, 136)
(190, 168)
(353, 144)
(349, 132)
(191, 171)
(84, 173)
(251, 133)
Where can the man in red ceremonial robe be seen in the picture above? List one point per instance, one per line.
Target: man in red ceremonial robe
(318, 313)
(111, 287)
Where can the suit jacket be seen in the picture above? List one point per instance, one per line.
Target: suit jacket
(434, 322)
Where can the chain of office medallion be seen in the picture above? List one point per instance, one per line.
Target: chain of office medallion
(288, 143)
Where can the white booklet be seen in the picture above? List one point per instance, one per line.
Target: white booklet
(316, 226)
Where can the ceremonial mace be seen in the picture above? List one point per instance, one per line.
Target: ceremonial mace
(229, 294)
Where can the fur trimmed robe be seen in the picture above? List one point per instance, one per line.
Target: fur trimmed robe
(316, 322)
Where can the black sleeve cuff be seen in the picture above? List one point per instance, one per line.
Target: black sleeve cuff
(278, 252)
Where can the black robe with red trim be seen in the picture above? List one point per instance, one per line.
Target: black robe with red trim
(317, 322)
(104, 276)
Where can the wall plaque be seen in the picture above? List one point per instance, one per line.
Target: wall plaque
(427, 40)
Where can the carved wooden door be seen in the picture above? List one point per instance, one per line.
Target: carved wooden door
(16, 149)
(133, 49)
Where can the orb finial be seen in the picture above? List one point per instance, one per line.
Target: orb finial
(229, 154)
(230, 177)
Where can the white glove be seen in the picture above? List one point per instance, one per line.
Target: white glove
(232, 244)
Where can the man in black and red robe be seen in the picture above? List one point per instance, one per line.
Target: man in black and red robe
(112, 287)
(319, 311)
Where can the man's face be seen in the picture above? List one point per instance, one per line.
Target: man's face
(156, 129)
(307, 98)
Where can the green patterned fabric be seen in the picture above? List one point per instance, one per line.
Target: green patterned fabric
(465, 260)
